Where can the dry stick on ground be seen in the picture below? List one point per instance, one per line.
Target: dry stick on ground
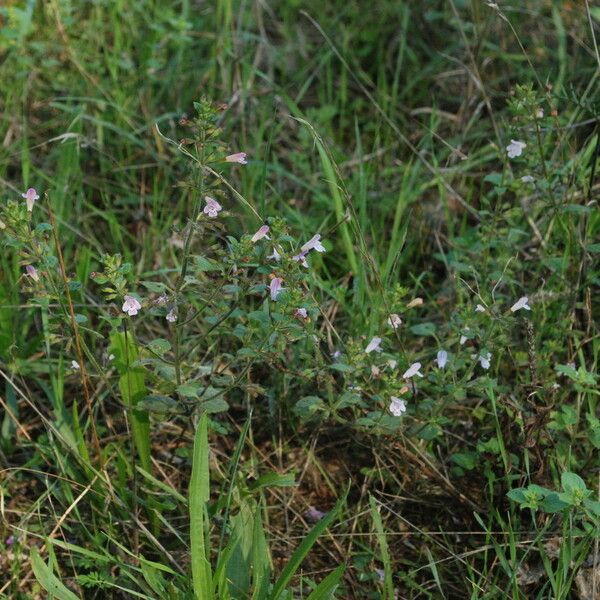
(75, 328)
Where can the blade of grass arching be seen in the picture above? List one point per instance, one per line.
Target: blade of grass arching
(303, 549)
(48, 580)
(325, 590)
(388, 584)
(336, 195)
(199, 495)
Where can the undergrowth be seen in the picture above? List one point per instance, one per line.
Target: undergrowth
(297, 300)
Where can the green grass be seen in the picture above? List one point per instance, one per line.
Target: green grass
(383, 128)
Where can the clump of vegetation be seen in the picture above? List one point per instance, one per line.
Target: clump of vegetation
(298, 303)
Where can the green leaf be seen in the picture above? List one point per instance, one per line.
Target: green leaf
(308, 406)
(48, 580)
(273, 480)
(199, 494)
(466, 460)
(159, 346)
(571, 482)
(327, 587)
(552, 503)
(517, 495)
(189, 390)
(302, 550)
(215, 405)
(133, 390)
(154, 286)
(158, 404)
(423, 329)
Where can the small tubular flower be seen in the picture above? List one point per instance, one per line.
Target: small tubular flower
(522, 302)
(397, 406)
(441, 359)
(32, 272)
(131, 306)
(212, 208)
(275, 288)
(515, 148)
(413, 370)
(30, 196)
(238, 157)
(394, 321)
(374, 345)
(260, 234)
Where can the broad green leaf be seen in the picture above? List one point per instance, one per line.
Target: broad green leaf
(48, 580)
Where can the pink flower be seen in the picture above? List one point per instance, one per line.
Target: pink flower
(301, 258)
(313, 244)
(275, 288)
(260, 234)
(212, 207)
(374, 345)
(301, 313)
(314, 514)
(131, 306)
(238, 157)
(32, 272)
(30, 196)
(413, 370)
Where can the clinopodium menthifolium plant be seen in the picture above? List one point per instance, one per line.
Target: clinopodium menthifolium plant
(213, 387)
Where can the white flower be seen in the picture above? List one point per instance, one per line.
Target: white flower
(539, 113)
(301, 258)
(171, 316)
(522, 302)
(412, 371)
(374, 345)
(313, 244)
(260, 234)
(275, 256)
(131, 306)
(479, 308)
(397, 406)
(212, 207)
(463, 337)
(392, 364)
(515, 148)
(375, 371)
(30, 196)
(527, 179)
(75, 365)
(336, 354)
(394, 321)
(484, 360)
(441, 358)
(275, 287)
(301, 313)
